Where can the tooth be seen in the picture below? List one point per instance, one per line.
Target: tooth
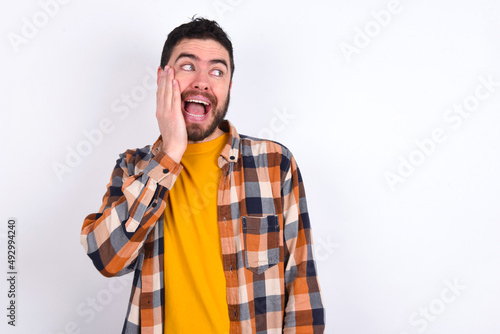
(194, 114)
(198, 101)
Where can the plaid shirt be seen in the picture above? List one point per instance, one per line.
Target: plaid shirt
(264, 227)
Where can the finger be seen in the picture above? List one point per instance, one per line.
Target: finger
(168, 90)
(176, 98)
(160, 95)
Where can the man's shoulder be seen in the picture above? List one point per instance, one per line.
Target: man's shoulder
(254, 147)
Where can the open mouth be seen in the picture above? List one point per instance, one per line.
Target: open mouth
(197, 108)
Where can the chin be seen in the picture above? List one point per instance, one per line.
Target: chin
(197, 133)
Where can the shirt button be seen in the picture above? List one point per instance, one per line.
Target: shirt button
(232, 157)
(154, 205)
(166, 170)
(234, 313)
(231, 268)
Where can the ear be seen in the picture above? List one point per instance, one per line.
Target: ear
(230, 86)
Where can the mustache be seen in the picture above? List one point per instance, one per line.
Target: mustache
(192, 93)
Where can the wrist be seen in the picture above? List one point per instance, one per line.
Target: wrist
(175, 155)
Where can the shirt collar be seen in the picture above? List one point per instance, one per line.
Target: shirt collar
(231, 151)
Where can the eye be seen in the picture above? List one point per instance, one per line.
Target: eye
(187, 67)
(217, 73)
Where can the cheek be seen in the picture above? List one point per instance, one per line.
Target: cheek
(222, 93)
(182, 87)
(183, 79)
(183, 84)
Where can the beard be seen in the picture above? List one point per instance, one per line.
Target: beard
(196, 132)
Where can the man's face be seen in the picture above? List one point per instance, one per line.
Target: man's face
(203, 70)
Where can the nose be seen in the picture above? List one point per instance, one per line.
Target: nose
(201, 81)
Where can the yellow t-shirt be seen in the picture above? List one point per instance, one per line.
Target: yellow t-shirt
(195, 286)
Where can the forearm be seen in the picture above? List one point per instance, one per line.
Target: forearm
(131, 207)
(304, 312)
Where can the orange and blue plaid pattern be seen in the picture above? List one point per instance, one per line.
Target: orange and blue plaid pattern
(264, 227)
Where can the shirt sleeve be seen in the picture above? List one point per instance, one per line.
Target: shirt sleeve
(132, 205)
(304, 312)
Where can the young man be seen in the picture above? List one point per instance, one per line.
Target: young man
(214, 224)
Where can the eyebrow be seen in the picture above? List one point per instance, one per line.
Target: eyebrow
(194, 57)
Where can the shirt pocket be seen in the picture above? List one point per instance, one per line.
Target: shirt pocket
(261, 239)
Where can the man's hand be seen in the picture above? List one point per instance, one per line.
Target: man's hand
(169, 115)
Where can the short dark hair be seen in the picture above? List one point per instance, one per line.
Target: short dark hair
(198, 28)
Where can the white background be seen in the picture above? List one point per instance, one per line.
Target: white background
(386, 255)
